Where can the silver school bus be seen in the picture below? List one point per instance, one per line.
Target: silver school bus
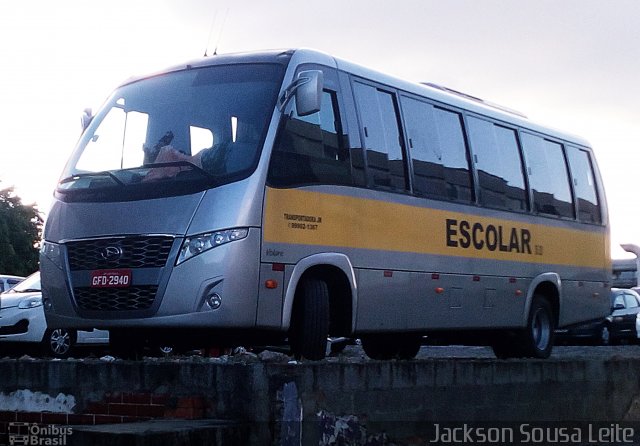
(297, 195)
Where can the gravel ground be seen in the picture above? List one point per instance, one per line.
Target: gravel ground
(351, 353)
(578, 352)
(581, 352)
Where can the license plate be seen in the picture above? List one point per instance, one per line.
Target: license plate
(111, 278)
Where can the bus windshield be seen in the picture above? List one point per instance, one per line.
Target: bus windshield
(196, 125)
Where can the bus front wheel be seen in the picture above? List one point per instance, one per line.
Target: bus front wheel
(310, 320)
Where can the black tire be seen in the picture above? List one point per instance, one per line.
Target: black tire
(58, 342)
(310, 320)
(391, 346)
(535, 341)
(409, 347)
(379, 346)
(537, 337)
(505, 349)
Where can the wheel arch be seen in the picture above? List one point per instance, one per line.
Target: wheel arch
(549, 286)
(336, 270)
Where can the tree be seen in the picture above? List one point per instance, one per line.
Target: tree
(20, 232)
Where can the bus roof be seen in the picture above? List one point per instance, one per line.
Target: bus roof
(434, 92)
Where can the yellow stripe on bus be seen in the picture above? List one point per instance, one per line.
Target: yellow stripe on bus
(301, 217)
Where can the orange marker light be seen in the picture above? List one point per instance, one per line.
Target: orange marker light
(271, 284)
(439, 290)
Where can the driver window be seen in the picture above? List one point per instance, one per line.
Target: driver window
(310, 149)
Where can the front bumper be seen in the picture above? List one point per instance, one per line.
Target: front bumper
(231, 271)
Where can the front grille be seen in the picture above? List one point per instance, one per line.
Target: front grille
(116, 299)
(136, 252)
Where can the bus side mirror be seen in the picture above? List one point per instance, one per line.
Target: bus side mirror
(309, 92)
(86, 118)
(307, 89)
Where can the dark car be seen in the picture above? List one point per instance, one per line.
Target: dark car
(619, 326)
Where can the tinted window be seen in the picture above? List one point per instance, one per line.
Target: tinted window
(310, 149)
(548, 176)
(499, 165)
(438, 151)
(383, 140)
(584, 185)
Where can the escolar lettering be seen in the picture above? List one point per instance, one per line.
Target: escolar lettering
(464, 234)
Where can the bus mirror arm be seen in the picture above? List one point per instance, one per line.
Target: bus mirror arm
(86, 118)
(307, 89)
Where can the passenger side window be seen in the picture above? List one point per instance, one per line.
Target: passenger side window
(499, 165)
(383, 141)
(548, 177)
(630, 301)
(584, 185)
(438, 151)
(310, 149)
(12, 283)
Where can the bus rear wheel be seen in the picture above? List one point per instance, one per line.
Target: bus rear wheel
(310, 320)
(537, 338)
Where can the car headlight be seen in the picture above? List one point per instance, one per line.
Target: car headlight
(52, 252)
(30, 302)
(197, 244)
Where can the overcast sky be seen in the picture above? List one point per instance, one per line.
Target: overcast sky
(570, 64)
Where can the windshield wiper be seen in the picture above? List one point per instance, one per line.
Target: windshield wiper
(181, 163)
(104, 173)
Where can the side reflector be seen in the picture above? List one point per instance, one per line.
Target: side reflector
(271, 284)
(277, 267)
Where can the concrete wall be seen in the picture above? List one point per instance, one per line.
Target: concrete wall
(401, 398)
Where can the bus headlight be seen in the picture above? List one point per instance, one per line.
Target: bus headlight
(52, 252)
(196, 244)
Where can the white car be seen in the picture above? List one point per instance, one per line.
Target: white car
(22, 320)
(8, 282)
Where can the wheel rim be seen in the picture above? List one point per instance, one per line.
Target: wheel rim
(541, 329)
(60, 341)
(166, 350)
